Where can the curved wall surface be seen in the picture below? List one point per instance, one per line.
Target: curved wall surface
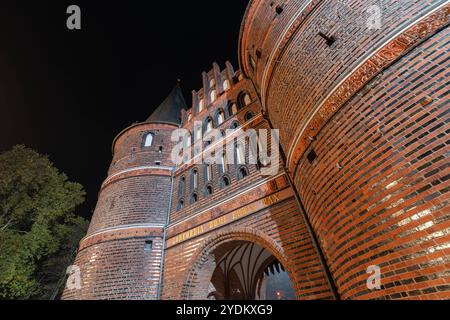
(363, 115)
(121, 256)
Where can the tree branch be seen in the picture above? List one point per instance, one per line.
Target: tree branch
(6, 225)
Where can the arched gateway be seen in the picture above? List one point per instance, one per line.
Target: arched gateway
(239, 265)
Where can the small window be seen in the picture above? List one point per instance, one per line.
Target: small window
(223, 162)
(209, 190)
(242, 173)
(180, 205)
(258, 53)
(279, 9)
(186, 140)
(201, 105)
(233, 109)
(234, 125)
(181, 186)
(226, 85)
(209, 125)
(240, 153)
(160, 150)
(194, 179)
(212, 83)
(251, 62)
(198, 133)
(194, 198)
(247, 99)
(220, 117)
(244, 99)
(248, 116)
(148, 245)
(148, 140)
(311, 156)
(208, 142)
(213, 95)
(208, 172)
(253, 142)
(225, 182)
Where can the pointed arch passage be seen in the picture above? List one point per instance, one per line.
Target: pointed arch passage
(234, 267)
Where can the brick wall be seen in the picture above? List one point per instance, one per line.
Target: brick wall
(373, 106)
(378, 192)
(119, 267)
(279, 228)
(129, 152)
(304, 60)
(236, 185)
(121, 256)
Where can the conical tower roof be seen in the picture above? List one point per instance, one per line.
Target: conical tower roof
(170, 109)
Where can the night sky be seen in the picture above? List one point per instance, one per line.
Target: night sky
(68, 93)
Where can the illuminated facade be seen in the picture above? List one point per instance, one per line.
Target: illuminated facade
(362, 112)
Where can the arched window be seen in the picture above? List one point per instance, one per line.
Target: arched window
(181, 186)
(244, 99)
(189, 117)
(180, 205)
(209, 124)
(220, 117)
(201, 105)
(234, 125)
(225, 181)
(194, 179)
(240, 153)
(233, 109)
(248, 116)
(208, 172)
(226, 85)
(148, 139)
(212, 83)
(197, 133)
(253, 142)
(213, 95)
(185, 152)
(209, 190)
(223, 162)
(242, 172)
(194, 198)
(247, 99)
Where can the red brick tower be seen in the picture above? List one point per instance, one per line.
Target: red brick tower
(121, 257)
(359, 91)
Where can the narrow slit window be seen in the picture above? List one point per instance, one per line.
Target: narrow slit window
(311, 156)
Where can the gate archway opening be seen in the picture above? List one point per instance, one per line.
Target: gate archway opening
(241, 270)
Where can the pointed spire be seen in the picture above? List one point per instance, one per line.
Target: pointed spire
(170, 109)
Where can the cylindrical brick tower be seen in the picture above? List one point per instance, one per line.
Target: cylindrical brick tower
(359, 91)
(121, 256)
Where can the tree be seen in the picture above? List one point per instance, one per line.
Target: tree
(38, 228)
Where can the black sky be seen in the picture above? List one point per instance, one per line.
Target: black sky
(68, 93)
